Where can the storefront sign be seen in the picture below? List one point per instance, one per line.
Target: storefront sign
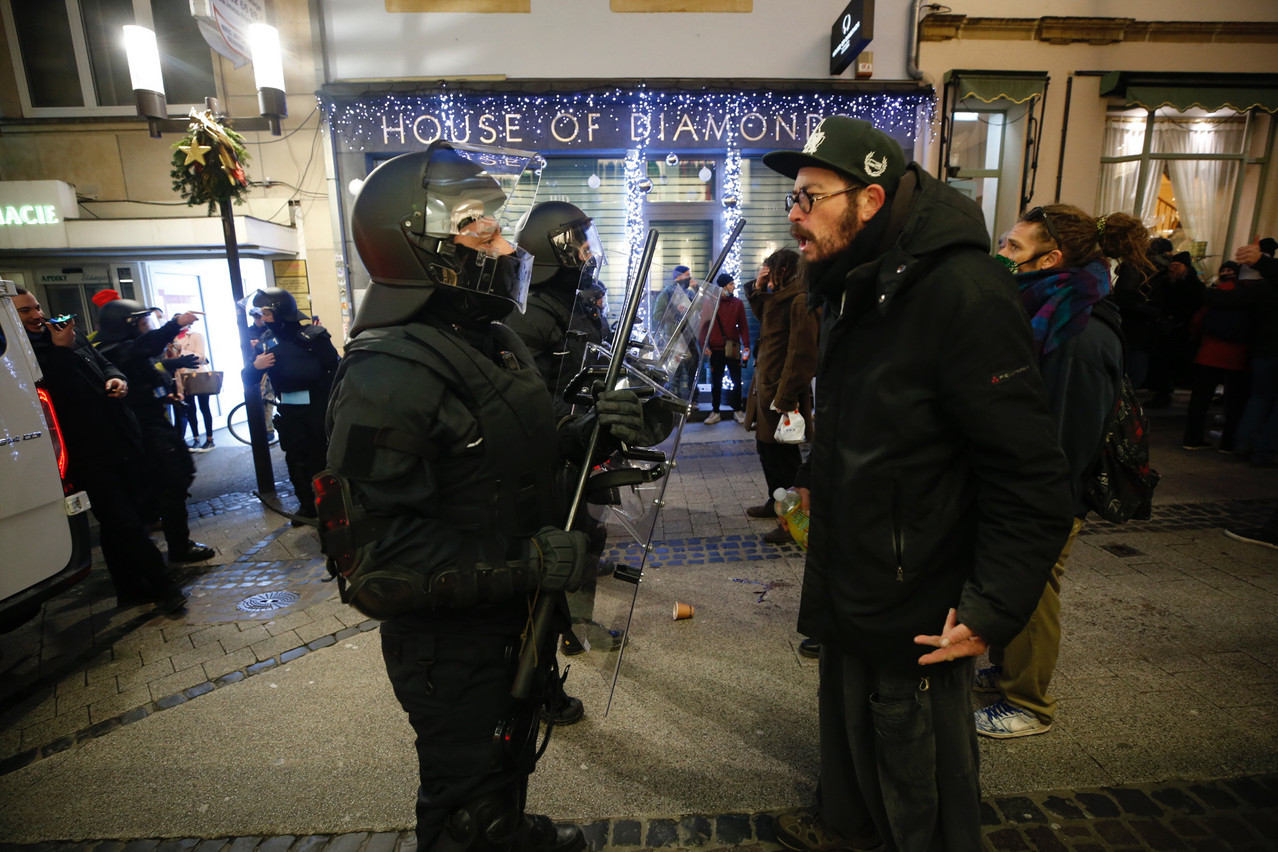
(618, 121)
(851, 34)
(37, 203)
(30, 214)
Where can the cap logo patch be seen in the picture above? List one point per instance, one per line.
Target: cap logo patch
(814, 142)
(873, 167)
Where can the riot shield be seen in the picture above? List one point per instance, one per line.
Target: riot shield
(656, 350)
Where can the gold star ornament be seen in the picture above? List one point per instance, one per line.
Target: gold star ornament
(194, 152)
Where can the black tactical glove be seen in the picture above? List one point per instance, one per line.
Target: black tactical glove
(559, 557)
(172, 364)
(627, 419)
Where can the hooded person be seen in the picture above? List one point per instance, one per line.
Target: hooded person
(938, 495)
(299, 358)
(444, 449)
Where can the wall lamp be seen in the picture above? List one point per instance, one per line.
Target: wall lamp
(148, 82)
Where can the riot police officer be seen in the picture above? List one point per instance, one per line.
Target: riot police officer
(445, 447)
(127, 336)
(300, 360)
(567, 256)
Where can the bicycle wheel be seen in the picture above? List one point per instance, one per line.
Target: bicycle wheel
(239, 429)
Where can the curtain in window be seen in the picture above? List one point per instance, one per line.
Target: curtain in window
(1204, 189)
(1125, 137)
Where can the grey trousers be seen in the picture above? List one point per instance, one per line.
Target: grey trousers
(899, 760)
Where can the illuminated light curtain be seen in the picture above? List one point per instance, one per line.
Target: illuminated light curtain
(1204, 189)
(1125, 137)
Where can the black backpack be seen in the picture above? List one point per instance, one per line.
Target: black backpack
(1120, 484)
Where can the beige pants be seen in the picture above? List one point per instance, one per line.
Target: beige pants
(1029, 660)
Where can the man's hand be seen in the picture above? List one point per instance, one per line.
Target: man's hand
(185, 319)
(956, 640)
(63, 335)
(117, 388)
(265, 360)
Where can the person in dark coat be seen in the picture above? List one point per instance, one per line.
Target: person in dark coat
(128, 337)
(104, 452)
(785, 362)
(937, 492)
(1060, 254)
(300, 359)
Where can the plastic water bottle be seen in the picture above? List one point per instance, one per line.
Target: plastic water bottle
(788, 505)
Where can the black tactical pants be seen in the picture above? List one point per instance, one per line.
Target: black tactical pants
(167, 478)
(456, 691)
(134, 562)
(305, 446)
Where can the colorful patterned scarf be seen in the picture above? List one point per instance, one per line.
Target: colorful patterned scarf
(1059, 301)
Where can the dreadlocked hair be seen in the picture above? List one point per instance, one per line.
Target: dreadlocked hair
(783, 265)
(1084, 239)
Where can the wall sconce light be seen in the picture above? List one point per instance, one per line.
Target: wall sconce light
(148, 81)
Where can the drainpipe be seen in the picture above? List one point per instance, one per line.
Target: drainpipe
(912, 39)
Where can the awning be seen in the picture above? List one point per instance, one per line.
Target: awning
(1182, 91)
(989, 86)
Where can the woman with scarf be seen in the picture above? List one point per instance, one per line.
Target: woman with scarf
(1060, 259)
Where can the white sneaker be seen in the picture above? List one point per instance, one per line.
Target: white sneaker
(739, 416)
(713, 418)
(1003, 720)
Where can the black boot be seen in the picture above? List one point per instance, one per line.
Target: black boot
(545, 835)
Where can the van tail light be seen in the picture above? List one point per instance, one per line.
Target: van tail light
(55, 434)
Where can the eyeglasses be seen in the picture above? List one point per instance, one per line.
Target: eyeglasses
(1038, 214)
(805, 199)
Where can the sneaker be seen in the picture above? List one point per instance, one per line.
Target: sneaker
(1254, 535)
(803, 831)
(208, 445)
(739, 416)
(780, 535)
(810, 648)
(764, 511)
(713, 418)
(193, 552)
(986, 679)
(1003, 720)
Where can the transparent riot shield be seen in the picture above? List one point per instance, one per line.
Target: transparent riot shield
(656, 350)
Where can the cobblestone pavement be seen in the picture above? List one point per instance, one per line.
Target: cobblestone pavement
(85, 669)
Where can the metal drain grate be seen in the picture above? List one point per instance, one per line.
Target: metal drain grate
(267, 601)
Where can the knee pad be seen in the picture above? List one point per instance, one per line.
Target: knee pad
(490, 823)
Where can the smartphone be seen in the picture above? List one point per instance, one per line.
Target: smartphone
(60, 321)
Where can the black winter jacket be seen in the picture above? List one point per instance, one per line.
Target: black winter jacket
(936, 478)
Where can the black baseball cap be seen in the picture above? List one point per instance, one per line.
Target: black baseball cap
(849, 146)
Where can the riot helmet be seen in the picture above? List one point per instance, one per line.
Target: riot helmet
(119, 320)
(432, 220)
(280, 303)
(560, 236)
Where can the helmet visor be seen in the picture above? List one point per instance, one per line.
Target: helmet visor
(472, 183)
(577, 244)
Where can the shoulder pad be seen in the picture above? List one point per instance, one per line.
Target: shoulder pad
(314, 332)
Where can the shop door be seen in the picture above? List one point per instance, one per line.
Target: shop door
(176, 292)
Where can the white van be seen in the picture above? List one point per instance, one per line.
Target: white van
(44, 522)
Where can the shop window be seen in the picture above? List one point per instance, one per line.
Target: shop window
(69, 56)
(763, 193)
(684, 180)
(1188, 176)
(990, 136)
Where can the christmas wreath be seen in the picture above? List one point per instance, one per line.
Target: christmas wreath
(208, 163)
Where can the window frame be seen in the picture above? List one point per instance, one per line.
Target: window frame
(142, 16)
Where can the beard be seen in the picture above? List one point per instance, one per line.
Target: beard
(819, 248)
